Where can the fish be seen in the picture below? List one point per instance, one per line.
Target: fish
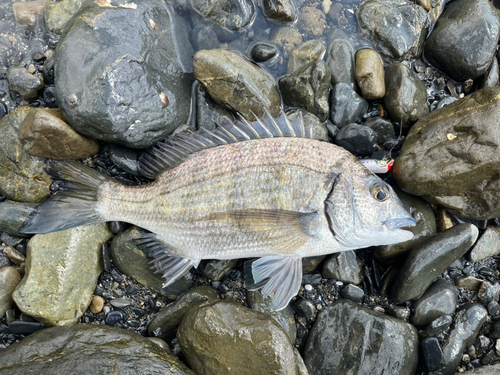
(264, 190)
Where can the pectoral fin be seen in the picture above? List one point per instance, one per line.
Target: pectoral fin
(279, 277)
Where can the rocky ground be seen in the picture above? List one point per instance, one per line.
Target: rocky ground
(99, 81)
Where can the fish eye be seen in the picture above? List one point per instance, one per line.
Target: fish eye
(380, 191)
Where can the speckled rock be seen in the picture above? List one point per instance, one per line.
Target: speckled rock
(280, 10)
(57, 15)
(344, 266)
(439, 299)
(61, 274)
(341, 63)
(9, 278)
(487, 246)
(312, 21)
(232, 15)
(370, 74)
(346, 105)
(287, 38)
(13, 215)
(304, 54)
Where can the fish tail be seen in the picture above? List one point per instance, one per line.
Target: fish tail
(74, 204)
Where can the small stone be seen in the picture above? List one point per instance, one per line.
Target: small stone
(215, 270)
(469, 282)
(229, 14)
(344, 266)
(438, 327)
(426, 4)
(385, 131)
(370, 74)
(359, 140)
(444, 220)
(114, 317)
(15, 256)
(262, 52)
(487, 246)
(28, 12)
(96, 304)
(287, 38)
(9, 240)
(308, 287)
(488, 292)
(309, 264)
(494, 310)
(305, 308)
(304, 54)
(346, 105)
(312, 21)
(439, 299)
(9, 278)
(280, 10)
(23, 83)
(120, 302)
(161, 343)
(497, 347)
(399, 312)
(352, 292)
(19, 327)
(432, 355)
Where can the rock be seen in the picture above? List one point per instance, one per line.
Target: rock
(132, 261)
(397, 27)
(64, 265)
(114, 317)
(209, 113)
(463, 42)
(429, 259)
(219, 335)
(305, 308)
(15, 256)
(215, 270)
(57, 15)
(439, 299)
(304, 54)
(346, 105)
(233, 15)
(204, 37)
(280, 10)
(491, 77)
(487, 246)
(148, 70)
(21, 175)
(468, 321)
(488, 292)
(45, 134)
(385, 131)
(437, 327)
(96, 304)
(237, 84)
(357, 139)
(349, 338)
(444, 220)
(426, 4)
(352, 292)
(162, 344)
(308, 88)
(469, 282)
(438, 162)
(340, 61)
(9, 278)
(125, 158)
(88, 349)
(312, 21)
(49, 97)
(309, 264)
(24, 83)
(432, 355)
(20, 327)
(13, 215)
(29, 13)
(262, 52)
(369, 74)
(164, 325)
(406, 98)
(287, 38)
(344, 266)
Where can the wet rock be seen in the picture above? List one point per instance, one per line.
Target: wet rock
(312, 21)
(308, 88)
(397, 27)
(349, 338)
(432, 355)
(444, 220)
(346, 105)
(469, 282)
(148, 70)
(352, 292)
(9, 278)
(344, 266)
(438, 161)
(164, 325)
(57, 15)
(96, 304)
(463, 42)
(280, 10)
(216, 269)
(125, 158)
(24, 83)
(237, 84)
(14, 256)
(468, 321)
(488, 292)
(262, 52)
(209, 113)
(13, 215)
(437, 327)
(357, 139)
(384, 130)
(309, 264)
(88, 349)
(287, 38)
(304, 54)
(370, 74)
(45, 134)
(487, 246)
(233, 15)
(320, 131)
(406, 98)
(25, 328)
(429, 259)
(29, 13)
(340, 61)
(491, 77)
(64, 265)
(218, 335)
(204, 37)
(305, 308)
(439, 299)
(21, 177)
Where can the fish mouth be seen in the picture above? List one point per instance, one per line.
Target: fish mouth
(394, 226)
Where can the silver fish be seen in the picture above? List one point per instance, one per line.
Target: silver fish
(264, 190)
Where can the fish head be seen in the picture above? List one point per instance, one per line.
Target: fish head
(363, 210)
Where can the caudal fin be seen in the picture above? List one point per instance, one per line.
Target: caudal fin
(74, 204)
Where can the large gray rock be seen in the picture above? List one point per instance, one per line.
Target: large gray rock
(122, 72)
(351, 339)
(449, 157)
(86, 349)
(464, 41)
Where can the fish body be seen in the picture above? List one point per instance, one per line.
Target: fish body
(275, 198)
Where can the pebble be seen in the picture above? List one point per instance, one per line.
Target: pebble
(359, 140)
(469, 282)
(9, 279)
(96, 305)
(344, 266)
(385, 131)
(487, 246)
(280, 10)
(114, 317)
(432, 355)
(120, 302)
(370, 74)
(10, 240)
(312, 21)
(215, 270)
(352, 292)
(19, 327)
(262, 52)
(304, 54)
(230, 15)
(488, 292)
(24, 83)
(287, 38)
(494, 310)
(438, 326)
(341, 63)
(346, 105)
(305, 308)
(14, 256)
(439, 299)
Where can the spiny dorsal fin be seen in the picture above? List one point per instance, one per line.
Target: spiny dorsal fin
(176, 149)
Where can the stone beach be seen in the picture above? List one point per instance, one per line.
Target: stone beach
(100, 81)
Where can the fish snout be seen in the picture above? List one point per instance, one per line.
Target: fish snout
(400, 222)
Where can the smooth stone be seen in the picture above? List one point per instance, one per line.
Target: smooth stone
(468, 321)
(218, 335)
(280, 10)
(488, 292)
(432, 355)
(469, 282)
(320, 131)
(9, 278)
(397, 27)
(22, 177)
(96, 305)
(262, 52)
(439, 299)
(406, 98)
(220, 71)
(341, 63)
(24, 83)
(13, 215)
(45, 134)
(162, 344)
(309, 264)
(233, 15)
(487, 246)
(209, 113)
(370, 74)
(344, 266)
(438, 162)
(494, 310)
(308, 87)
(114, 317)
(353, 293)
(437, 327)
(348, 338)
(359, 140)
(491, 77)
(125, 158)
(14, 256)
(164, 325)
(147, 69)
(57, 15)
(287, 38)
(385, 131)
(463, 42)
(304, 54)
(132, 261)
(25, 328)
(311, 21)
(346, 105)
(29, 13)
(444, 219)
(305, 308)
(64, 265)
(88, 349)
(120, 302)
(215, 270)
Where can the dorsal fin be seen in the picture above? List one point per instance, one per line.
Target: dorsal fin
(170, 153)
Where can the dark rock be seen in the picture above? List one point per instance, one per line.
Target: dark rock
(125, 158)
(280, 10)
(469, 282)
(114, 317)
(9, 279)
(359, 140)
(464, 40)
(305, 308)
(88, 349)
(147, 70)
(488, 292)
(312, 279)
(384, 129)
(204, 37)
(346, 105)
(494, 310)
(344, 266)
(438, 162)
(429, 259)
(304, 54)
(487, 246)
(23, 83)
(432, 355)
(349, 338)
(309, 264)
(49, 97)
(209, 113)
(262, 52)
(491, 77)
(233, 15)
(216, 269)
(340, 61)
(48, 72)
(19, 327)
(438, 327)
(370, 74)
(13, 215)
(447, 100)
(352, 292)
(490, 358)
(439, 299)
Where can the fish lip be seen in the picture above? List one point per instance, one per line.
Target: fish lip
(400, 222)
